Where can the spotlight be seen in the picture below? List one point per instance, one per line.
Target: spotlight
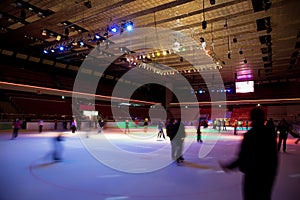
(204, 24)
(61, 48)
(129, 26)
(114, 28)
(45, 51)
(97, 36)
(58, 37)
(74, 43)
(81, 43)
(40, 14)
(44, 32)
(19, 4)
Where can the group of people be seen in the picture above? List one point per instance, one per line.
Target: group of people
(258, 155)
(217, 124)
(136, 122)
(257, 158)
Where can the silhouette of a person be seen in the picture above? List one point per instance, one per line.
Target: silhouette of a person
(257, 159)
(283, 128)
(199, 139)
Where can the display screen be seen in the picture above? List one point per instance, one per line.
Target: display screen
(244, 86)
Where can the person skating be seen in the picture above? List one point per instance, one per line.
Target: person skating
(127, 127)
(176, 132)
(58, 148)
(16, 126)
(199, 133)
(73, 125)
(283, 129)
(257, 159)
(160, 127)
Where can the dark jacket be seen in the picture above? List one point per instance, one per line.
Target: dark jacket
(171, 132)
(179, 131)
(283, 128)
(258, 152)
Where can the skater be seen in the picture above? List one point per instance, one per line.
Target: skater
(160, 126)
(136, 122)
(100, 125)
(55, 124)
(224, 125)
(65, 124)
(57, 152)
(219, 125)
(127, 126)
(179, 139)
(296, 142)
(41, 124)
(73, 125)
(214, 124)
(257, 159)
(199, 132)
(146, 123)
(16, 126)
(235, 127)
(283, 128)
(170, 129)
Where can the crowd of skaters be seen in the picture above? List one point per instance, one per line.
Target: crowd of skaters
(257, 158)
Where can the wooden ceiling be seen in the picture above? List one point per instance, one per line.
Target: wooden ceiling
(262, 36)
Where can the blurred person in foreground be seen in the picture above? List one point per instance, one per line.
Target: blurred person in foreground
(257, 159)
(58, 147)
